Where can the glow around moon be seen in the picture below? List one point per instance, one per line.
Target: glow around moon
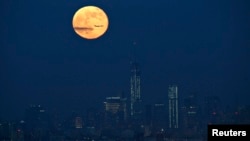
(90, 22)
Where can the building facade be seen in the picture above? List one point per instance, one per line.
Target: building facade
(173, 108)
(135, 90)
(115, 110)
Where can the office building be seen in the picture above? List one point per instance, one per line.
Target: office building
(115, 110)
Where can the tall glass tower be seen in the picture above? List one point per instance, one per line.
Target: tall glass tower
(135, 89)
(173, 106)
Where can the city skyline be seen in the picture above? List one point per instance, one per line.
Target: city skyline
(111, 123)
(203, 47)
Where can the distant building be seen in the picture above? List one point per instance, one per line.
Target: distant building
(6, 131)
(37, 123)
(135, 91)
(173, 107)
(190, 115)
(78, 122)
(11, 131)
(94, 118)
(148, 114)
(115, 110)
(159, 116)
(212, 109)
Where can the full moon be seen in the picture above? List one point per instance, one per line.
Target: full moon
(90, 22)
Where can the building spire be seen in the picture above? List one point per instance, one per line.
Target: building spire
(133, 58)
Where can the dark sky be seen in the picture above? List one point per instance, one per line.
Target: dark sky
(203, 46)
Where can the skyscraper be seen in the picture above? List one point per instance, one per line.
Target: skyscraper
(173, 106)
(135, 89)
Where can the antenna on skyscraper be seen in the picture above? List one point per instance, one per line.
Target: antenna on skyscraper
(133, 52)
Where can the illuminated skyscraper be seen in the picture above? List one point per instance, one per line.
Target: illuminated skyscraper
(173, 106)
(135, 90)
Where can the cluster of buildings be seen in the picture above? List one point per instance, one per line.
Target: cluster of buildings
(127, 119)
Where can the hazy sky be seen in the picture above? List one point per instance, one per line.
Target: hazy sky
(203, 46)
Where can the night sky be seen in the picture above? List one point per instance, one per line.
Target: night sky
(203, 46)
